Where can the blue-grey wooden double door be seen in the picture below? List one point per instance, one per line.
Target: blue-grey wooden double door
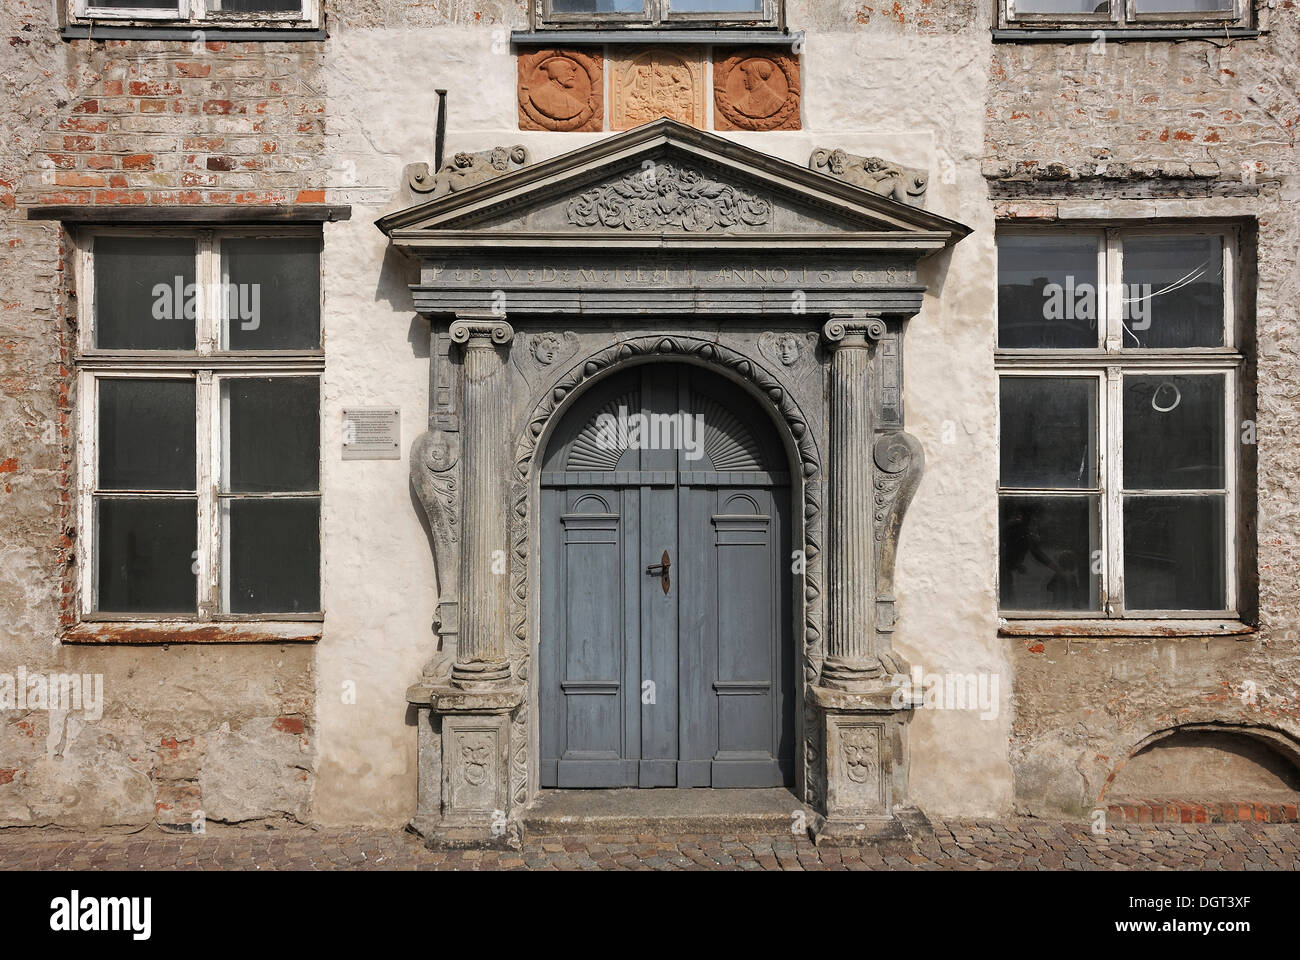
(665, 657)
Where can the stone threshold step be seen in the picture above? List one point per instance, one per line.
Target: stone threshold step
(664, 810)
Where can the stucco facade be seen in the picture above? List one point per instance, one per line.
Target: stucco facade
(254, 725)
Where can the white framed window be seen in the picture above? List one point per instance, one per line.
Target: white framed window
(1119, 459)
(660, 13)
(215, 12)
(1122, 14)
(198, 396)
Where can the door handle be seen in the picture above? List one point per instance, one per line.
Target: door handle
(661, 568)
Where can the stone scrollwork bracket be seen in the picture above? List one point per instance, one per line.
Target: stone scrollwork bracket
(899, 461)
(904, 184)
(465, 170)
(435, 474)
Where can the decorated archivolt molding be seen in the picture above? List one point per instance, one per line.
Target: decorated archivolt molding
(666, 195)
(526, 450)
(904, 184)
(465, 170)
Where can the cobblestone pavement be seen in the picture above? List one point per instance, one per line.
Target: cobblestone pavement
(961, 845)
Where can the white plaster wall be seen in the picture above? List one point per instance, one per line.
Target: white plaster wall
(918, 101)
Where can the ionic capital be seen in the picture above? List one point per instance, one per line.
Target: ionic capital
(853, 329)
(481, 331)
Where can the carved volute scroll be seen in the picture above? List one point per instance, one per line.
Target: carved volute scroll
(465, 170)
(435, 474)
(891, 180)
(899, 461)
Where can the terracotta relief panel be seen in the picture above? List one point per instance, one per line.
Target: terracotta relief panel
(657, 82)
(756, 90)
(561, 90)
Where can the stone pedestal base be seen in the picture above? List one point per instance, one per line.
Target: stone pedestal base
(866, 766)
(465, 736)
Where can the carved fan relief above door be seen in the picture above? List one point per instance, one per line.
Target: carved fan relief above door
(665, 654)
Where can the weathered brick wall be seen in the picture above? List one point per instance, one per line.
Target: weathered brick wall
(1085, 130)
(227, 731)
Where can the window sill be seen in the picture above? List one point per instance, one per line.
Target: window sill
(100, 30)
(1120, 34)
(685, 34)
(156, 632)
(1106, 629)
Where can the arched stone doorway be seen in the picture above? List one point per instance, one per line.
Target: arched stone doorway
(665, 650)
(793, 284)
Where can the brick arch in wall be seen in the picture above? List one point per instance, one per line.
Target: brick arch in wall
(1207, 772)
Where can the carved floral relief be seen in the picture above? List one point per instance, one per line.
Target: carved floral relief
(664, 195)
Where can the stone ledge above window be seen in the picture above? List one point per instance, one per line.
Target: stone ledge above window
(1111, 629)
(155, 632)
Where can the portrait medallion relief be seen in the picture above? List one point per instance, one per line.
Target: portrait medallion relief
(654, 83)
(560, 90)
(756, 90)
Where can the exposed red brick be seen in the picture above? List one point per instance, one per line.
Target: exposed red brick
(292, 725)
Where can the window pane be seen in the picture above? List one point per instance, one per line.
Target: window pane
(146, 551)
(136, 4)
(1046, 546)
(597, 6)
(272, 293)
(716, 6)
(1047, 291)
(1183, 6)
(1174, 553)
(144, 293)
(1173, 291)
(1049, 432)
(1063, 6)
(274, 550)
(258, 6)
(272, 434)
(146, 434)
(1173, 433)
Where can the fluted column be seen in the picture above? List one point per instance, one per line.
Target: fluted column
(851, 660)
(484, 594)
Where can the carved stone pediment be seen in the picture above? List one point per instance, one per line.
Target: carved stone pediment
(903, 184)
(682, 186)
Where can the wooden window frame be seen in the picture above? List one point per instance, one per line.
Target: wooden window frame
(198, 13)
(1124, 15)
(1110, 362)
(208, 366)
(657, 14)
